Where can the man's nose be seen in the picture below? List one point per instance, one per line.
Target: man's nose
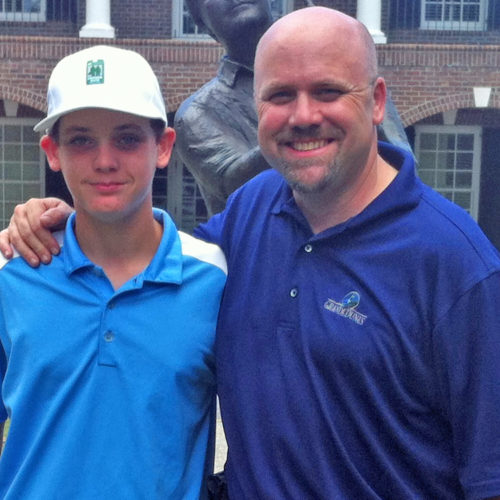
(306, 111)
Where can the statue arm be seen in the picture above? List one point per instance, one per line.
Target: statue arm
(220, 157)
(242, 169)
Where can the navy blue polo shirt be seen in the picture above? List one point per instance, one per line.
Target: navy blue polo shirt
(361, 362)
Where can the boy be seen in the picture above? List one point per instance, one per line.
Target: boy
(111, 394)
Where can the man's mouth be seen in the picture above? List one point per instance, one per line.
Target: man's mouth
(308, 145)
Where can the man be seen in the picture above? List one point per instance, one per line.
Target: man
(358, 337)
(106, 355)
(217, 126)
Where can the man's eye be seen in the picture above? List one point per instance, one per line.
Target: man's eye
(282, 97)
(327, 94)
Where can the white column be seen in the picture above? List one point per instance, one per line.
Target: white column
(369, 12)
(97, 20)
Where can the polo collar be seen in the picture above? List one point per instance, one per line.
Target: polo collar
(166, 266)
(229, 69)
(402, 194)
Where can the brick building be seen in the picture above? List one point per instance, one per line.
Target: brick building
(439, 57)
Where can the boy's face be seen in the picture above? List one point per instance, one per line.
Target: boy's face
(108, 160)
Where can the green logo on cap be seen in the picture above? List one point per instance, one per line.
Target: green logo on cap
(95, 72)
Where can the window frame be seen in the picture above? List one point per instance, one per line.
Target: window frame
(23, 183)
(22, 16)
(179, 9)
(476, 132)
(461, 25)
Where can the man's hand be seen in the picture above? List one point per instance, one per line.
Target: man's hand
(30, 230)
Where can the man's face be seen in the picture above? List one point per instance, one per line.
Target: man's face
(108, 160)
(317, 106)
(229, 20)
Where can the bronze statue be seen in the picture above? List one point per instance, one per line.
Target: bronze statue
(217, 125)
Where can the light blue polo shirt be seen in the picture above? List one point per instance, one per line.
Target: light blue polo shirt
(110, 393)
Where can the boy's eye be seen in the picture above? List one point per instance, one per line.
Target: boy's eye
(79, 141)
(128, 141)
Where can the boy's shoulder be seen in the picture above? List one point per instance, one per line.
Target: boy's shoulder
(204, 251)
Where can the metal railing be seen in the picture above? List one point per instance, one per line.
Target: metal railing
(38, 10)
(445, 21)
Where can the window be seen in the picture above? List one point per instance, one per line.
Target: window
(21, 165)
(281, 7)
(449, 161)
(184, 201)
(23, 10)
(184, 26)
(463, 15)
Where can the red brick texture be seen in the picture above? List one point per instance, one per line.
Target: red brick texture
(26, 62)
(424, 79)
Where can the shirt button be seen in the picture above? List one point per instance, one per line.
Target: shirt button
(293, 293)
(308, 248)
(109, 336)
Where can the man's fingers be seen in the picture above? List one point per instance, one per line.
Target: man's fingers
(55, 218)
(5, 247)
(30, 229)
(29, 237)
(22, 248)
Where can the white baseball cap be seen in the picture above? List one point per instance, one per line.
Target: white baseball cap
(103, 77)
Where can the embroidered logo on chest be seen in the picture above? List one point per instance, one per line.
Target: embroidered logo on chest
(347, 308)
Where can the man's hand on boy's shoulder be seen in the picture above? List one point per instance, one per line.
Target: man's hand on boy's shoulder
(30, 230)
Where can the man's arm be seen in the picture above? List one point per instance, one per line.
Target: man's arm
(467, 373)
(30, 230)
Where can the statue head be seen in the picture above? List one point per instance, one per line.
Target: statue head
(232, 22)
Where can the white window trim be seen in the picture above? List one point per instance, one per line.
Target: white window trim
(287, 6)
(25, 16)
(479, 25)
(476, 159)
(177, 21)
(23, 122)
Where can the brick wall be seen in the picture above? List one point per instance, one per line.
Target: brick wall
(151, 19)
(424, 79)
(428, 79)
(25, 65)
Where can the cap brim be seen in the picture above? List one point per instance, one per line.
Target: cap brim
(47, 123)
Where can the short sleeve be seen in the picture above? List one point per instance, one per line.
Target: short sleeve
(467, 356)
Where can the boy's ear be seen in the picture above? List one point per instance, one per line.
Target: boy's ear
(165, 146)
(51, 148)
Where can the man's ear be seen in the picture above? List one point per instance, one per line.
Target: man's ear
(379, 97)
(51, 148)
(165, 146)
